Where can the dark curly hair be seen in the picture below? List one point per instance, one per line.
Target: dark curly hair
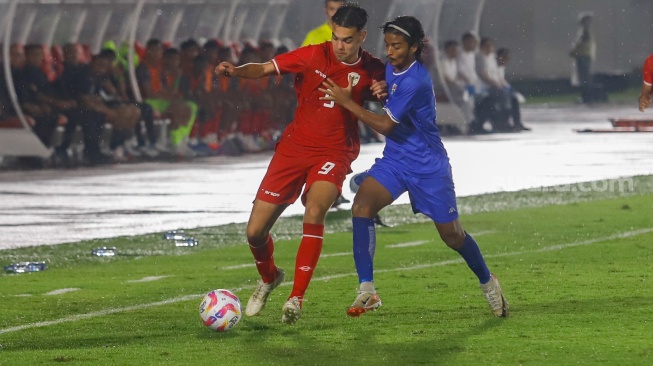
(410, 28)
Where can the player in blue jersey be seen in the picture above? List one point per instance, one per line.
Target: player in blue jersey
(414, 160)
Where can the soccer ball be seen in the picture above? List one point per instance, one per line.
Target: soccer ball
(220, 310)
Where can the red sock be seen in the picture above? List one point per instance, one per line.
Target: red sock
(263, 256)
(307, 257)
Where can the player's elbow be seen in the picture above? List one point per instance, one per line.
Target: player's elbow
(386, 128)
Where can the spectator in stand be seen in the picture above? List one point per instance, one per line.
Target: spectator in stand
(39, 117)
(503, 57)
(198, 87)
(211, 50)
(66, 84)
(324, 32)
(493, 101)
(98, 95)
(647, 85)
(116, 86)
(37, 96)
(227, 93)
(466, 64)
(456, 84)
(189, 50)
(584, 51)
(283, 96)
(36, 90)
(158, 78)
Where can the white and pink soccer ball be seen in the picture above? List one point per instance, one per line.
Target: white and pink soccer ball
(220, 310)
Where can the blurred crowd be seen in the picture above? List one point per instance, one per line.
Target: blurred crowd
(85, 108)
(475, 75)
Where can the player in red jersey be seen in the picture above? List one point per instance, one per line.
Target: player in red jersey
(315, 150)
(647, 75)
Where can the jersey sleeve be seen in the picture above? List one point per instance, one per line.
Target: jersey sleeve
(399, 101)
(294, 61)
(647, 71)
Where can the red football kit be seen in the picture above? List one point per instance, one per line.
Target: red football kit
(647, 71)
(323, 139)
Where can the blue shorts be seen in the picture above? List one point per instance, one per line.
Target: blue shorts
(433, 195)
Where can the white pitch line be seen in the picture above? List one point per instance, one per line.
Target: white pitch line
(62, 291)
(239, 266)
(341, 254)
(73, 318)
(148, 279)
(409, 244)
(248, 265)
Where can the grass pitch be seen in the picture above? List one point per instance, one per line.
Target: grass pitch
(575, 267)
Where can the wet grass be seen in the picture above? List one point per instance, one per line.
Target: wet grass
(135, 247)
(575, 266)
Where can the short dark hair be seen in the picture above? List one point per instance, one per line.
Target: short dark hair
(153, 42)
(350, 15)
(170, 52)
(503, 52)
(189, 43)
(407, 24)
(32, 47)
(107, 53)
(485, 40)
(211, 44)
(450, 43)
(468, 35)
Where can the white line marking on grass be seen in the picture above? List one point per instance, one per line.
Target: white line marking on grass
(484, 232)
(239, 266)
(409, 244)
(148, 279)
(23, 295)
(248, 265)
(341, 254)
(74, 318)
(62, 291)
(421, 242)
(95, 314)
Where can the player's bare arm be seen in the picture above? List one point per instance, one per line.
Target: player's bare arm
(645, 97)
(247, 71)
(383, 124)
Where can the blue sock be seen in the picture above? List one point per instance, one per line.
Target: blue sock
(364, 246)
(472, 255)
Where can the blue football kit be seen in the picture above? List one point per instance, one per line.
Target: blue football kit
(414, 158)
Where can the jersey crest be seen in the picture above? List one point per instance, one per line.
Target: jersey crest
(354, 77)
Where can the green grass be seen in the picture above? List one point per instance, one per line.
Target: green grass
(575, 267)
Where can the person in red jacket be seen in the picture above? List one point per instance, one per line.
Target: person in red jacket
(647, 86)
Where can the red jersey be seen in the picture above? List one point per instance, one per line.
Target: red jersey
(647, 71)
(321, 126)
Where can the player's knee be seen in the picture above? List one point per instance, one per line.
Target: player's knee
(454, 238)
(360, 209)
(315, 214)
(256, 236)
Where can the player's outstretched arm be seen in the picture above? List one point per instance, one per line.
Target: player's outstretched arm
(645, 97)
(382, 124)
(247, 71)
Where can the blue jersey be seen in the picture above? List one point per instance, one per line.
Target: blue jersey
(414, 144)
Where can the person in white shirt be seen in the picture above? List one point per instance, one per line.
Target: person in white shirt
(466, 62)
(493, 100)
(503, 56)
(456, 84)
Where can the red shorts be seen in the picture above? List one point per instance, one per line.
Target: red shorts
(290, 170)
